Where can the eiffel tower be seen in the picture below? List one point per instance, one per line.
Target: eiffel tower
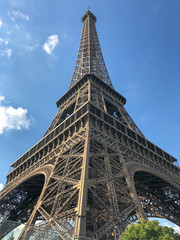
(93, 172)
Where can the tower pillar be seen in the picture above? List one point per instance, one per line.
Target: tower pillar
(80, 223)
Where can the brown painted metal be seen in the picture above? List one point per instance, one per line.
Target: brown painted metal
(93, 172)
(89, 58)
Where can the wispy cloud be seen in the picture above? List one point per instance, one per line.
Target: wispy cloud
(7, 52)
(15, 15)
(18, 14)
(8, 32)
(1, 23)
(4, 48)
(10, 15)
(1, 186)
(2, 98)
(17, 33)
(50, 44)
(12, 118)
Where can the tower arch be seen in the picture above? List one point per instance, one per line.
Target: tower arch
(159, 197)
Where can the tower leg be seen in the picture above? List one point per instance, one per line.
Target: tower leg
(139, 211)
(80, 225)
(33, 215)
(31, 219)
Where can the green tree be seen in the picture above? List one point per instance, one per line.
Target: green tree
(149, 230)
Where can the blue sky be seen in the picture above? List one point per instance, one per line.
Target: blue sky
(39, 40)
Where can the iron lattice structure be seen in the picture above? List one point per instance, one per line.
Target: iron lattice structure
(93, 172)
(89, 58)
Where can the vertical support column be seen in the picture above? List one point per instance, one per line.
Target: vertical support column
(77, 98)
(103, 101)
(139, 211)
(110, 184)
(89, 91)
(80, 225)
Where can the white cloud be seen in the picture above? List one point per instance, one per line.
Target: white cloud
(20, 15)
(9, 14)
(14, 15)
(7, 52)
(17, 26)
(1, 23)
(9, 32)
(12, 118)
(50, 44)
(2, 98)
(1, 186)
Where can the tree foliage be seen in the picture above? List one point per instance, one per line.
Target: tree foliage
(149, 230)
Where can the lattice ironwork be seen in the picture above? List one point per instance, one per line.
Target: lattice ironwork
(92, 173)
(89, 58)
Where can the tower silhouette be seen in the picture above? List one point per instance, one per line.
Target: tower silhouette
(93, 172)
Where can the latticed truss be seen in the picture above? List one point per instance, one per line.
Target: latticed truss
(89, 58)
(92, 173)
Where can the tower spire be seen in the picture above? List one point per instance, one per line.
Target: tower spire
(89, 58)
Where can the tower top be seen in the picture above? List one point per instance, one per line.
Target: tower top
(88, 14)
(89, 58)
